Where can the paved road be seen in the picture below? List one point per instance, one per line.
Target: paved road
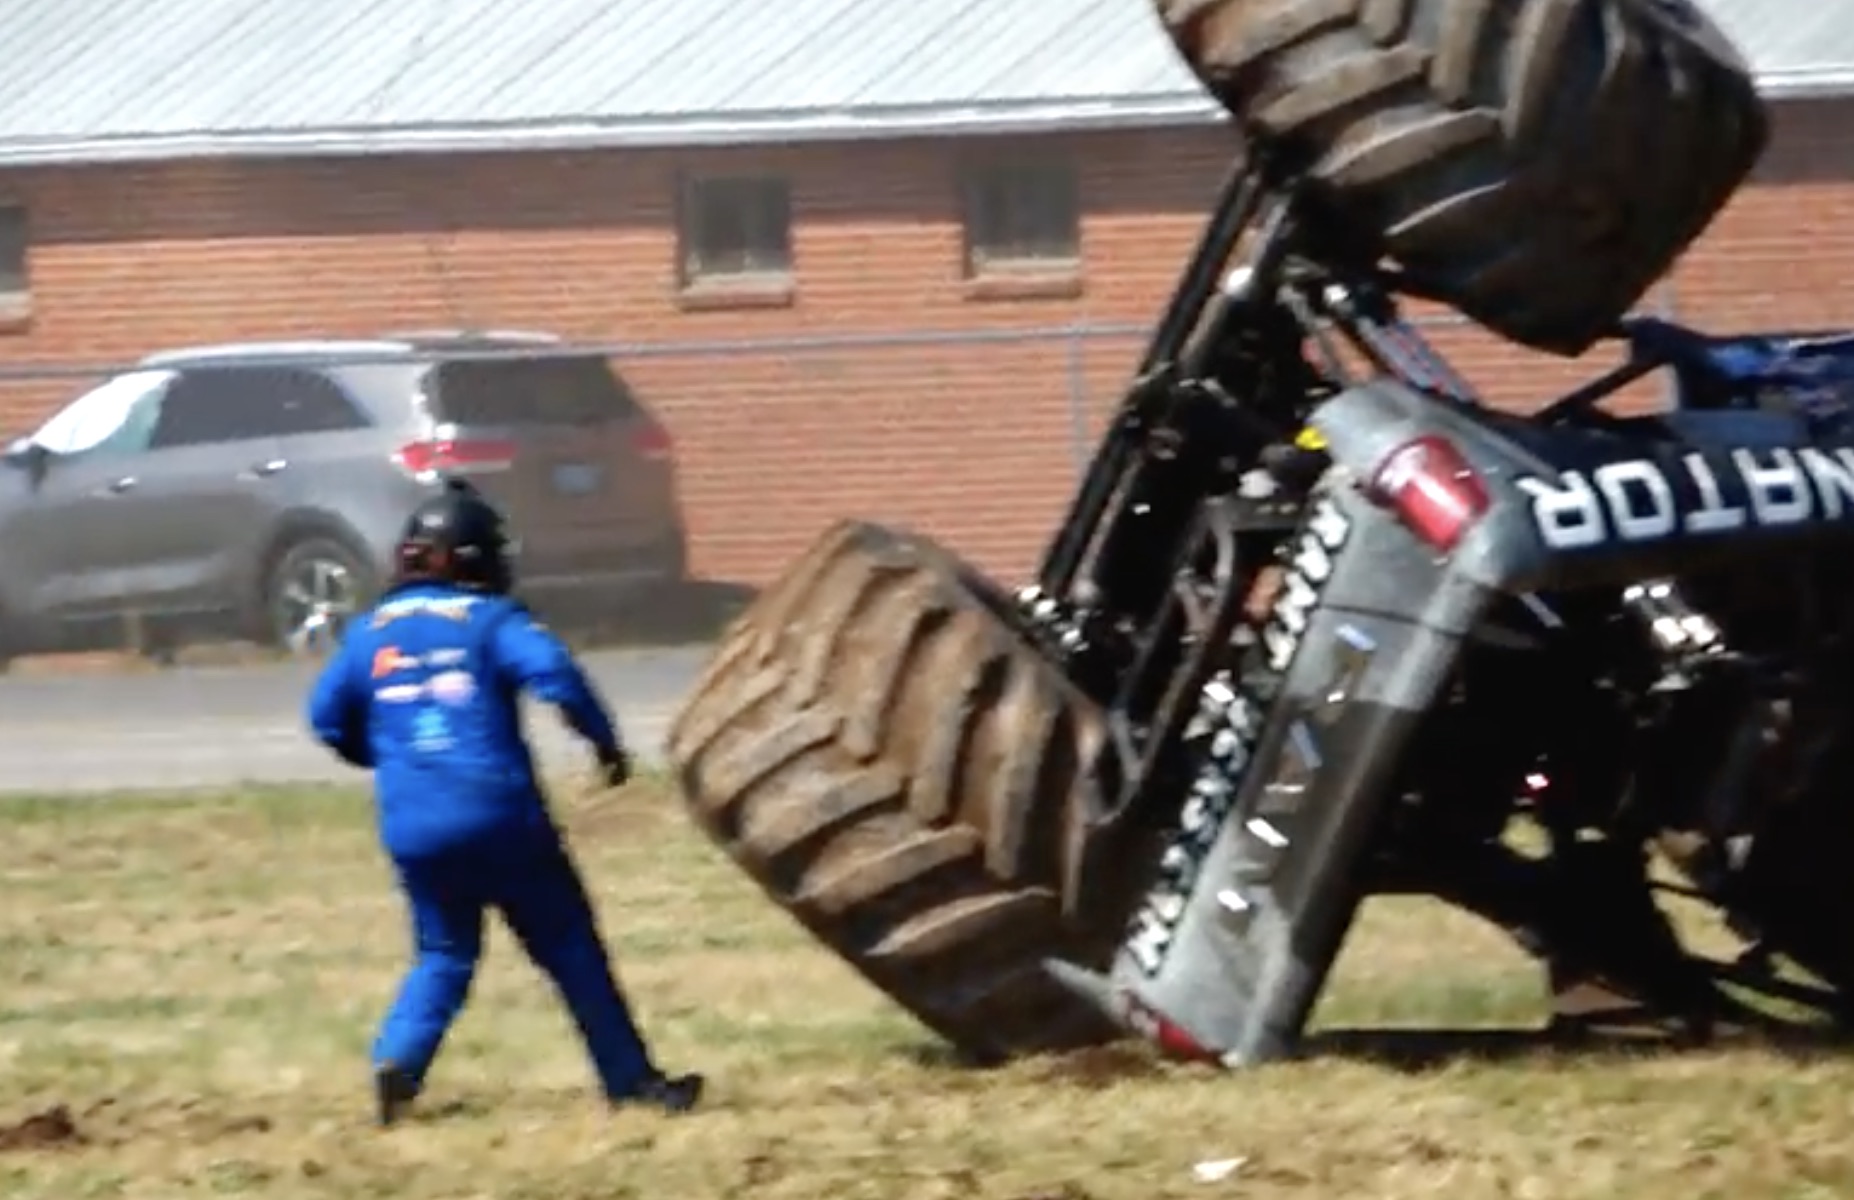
(217, 726)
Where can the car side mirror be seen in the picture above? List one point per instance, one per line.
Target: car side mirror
(29, 456)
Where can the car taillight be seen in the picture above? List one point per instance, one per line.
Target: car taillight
(651, 441)
(456, 455)
(1431, 487)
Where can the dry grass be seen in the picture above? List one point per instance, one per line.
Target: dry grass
(197, 979)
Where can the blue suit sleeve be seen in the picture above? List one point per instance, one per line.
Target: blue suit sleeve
(535, 659)
(338, 708)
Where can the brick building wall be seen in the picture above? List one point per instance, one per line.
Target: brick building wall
(975, 442)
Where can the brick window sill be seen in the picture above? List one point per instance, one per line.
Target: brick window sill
(1054, 281)
(15, 312)
(723, 292)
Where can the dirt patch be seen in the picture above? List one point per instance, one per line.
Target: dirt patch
(52, 1129)
(1098, 1067)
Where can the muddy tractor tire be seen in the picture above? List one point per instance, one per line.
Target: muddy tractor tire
(899, 769)
(1536, 164)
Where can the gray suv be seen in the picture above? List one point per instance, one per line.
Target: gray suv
(255, 490)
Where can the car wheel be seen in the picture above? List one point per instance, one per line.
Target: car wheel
(313, 589)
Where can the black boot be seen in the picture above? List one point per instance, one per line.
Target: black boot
(671, 1093)
(393, 1093)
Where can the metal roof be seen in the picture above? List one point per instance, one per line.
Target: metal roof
(1799, 48)
(116, 80)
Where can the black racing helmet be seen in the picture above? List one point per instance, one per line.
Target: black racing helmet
(457, 537)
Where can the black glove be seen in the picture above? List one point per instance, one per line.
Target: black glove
(616, 765)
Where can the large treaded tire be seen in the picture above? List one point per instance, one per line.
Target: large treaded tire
(1537, 164)
(895, 766)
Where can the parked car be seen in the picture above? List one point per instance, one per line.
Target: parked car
(256, 490)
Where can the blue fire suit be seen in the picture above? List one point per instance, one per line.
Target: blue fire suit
(423, 691)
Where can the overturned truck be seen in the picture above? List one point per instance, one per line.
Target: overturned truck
(1318, 625)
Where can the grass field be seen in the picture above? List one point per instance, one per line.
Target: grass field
(194, 983)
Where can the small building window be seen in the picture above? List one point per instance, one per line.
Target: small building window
(15, 281)
(735, 227)
(1025, 214)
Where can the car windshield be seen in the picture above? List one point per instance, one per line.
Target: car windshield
(91, 419)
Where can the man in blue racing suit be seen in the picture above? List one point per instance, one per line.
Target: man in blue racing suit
(423, 692)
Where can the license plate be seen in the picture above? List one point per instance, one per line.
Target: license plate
(576, 479)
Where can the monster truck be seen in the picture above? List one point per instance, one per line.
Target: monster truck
(1319, 625)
